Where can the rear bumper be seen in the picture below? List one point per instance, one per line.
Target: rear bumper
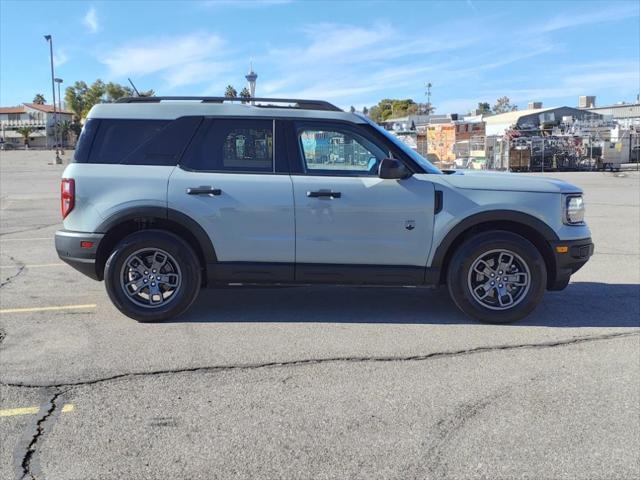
(79, 255)
(579, 252)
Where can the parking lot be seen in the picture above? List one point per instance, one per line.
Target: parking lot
(315, 382)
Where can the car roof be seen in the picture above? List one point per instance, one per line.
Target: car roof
(169, 108)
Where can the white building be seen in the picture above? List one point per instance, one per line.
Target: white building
(39, 117)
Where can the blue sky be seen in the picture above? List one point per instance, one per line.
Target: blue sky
(350, 53)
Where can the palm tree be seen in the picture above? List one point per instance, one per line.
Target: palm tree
(26, 133)
(245, 93)
(63, 129)
(39, 99)
(230, 92)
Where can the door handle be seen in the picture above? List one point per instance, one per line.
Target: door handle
(204, 190)
(323, 193)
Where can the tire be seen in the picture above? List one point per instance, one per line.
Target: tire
(129, 276)
(517, 298)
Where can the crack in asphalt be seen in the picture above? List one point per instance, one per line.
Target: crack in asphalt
(26, 464)
(21, 266)
(316, 361)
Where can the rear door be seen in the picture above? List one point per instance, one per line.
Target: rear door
(231, 182)
(347, 216)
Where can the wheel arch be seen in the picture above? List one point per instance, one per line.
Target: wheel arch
(134, 219)
(523, 224)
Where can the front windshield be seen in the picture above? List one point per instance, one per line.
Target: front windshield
(415, 156)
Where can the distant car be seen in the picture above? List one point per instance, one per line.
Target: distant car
(167, 195)
(462, 162)
(587, 164)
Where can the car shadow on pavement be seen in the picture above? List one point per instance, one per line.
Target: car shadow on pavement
(582, 304)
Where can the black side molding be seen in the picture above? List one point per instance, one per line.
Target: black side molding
(438, 201)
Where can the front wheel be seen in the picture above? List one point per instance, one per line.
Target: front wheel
(152, 275)
(497, 277)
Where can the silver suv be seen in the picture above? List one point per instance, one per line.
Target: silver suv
(170, 194)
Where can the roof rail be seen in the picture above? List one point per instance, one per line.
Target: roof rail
(297, 103)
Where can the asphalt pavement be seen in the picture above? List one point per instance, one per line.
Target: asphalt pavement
(315, 382)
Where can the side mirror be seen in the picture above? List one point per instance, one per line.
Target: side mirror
(393, 169)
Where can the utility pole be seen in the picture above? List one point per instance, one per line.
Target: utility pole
(428, 94)
(49, 39)
(429, 110)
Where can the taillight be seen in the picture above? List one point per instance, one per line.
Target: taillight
(67, 196)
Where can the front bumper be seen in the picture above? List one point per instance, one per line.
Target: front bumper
(72, 248)
(577, 254)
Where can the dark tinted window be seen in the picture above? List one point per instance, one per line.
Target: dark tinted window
(232, 146)
(83, 146)
(167, 146)
(116, 139)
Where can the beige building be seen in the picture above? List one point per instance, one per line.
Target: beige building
(40, 118)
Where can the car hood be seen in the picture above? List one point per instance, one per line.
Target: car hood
(513, 182)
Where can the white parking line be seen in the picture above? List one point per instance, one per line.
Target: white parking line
(12, 412)
(48, 309)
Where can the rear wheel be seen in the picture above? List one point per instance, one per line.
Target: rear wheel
(497, 277)
(152, 275)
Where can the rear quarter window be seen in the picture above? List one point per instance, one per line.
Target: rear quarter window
(116, 139)
(135, 142)
(83, 145)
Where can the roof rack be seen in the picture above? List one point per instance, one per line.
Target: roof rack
(297, 103)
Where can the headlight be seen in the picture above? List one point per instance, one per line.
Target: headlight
(573, 209)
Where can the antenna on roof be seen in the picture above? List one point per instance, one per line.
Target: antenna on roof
(134, 87)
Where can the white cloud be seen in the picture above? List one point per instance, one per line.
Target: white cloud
(161, 54)
(90, 20)
(564, 21)
(180, 61)
(60, 57)
(342, 62)
(195, 72)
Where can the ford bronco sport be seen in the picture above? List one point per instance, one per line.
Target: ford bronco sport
(170, 194)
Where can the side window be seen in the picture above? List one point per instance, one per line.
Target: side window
(83, 145)
(232, 146)
(167, 146)
(336, 152)
(116, 139)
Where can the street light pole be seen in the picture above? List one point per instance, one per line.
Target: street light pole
(59, 81)
(49, 39)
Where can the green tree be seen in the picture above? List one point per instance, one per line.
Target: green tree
(25, 132)
(426, 108)
(75, 98)
(503, 104)
(115, 91)
(245, 93)
(483, 107)
(365, 110)
(392, 108)
(352, 109)
(95, 94)
(230, 92)
(375, 114)
(80, 97)
(39, 99)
